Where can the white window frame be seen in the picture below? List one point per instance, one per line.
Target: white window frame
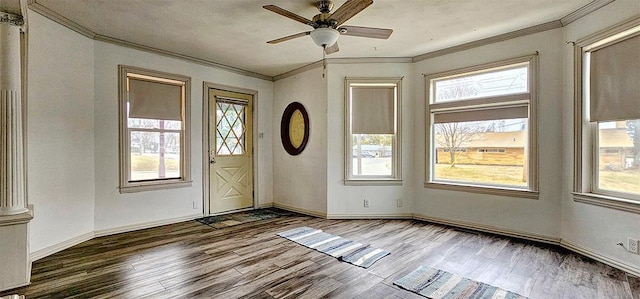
(528, 99)
(585, 132)
(396, 170)
(126, 185)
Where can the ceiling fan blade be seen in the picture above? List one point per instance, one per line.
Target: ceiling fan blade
(286, 38)
(371, 32)
(348, 10)
(288, 14)
(332, 49)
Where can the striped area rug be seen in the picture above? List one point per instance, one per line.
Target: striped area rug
(355, 253)
(436, 284)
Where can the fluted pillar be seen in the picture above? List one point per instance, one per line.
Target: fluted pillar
(15, 264)
(12, 185)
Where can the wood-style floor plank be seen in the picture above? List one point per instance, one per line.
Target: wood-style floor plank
(634, 286)
(193, 260)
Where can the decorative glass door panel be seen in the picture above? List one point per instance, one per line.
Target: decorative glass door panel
(230, 127)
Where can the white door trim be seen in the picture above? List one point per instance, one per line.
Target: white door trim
(205, 140)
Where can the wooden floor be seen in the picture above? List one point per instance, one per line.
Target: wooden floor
(193, 260)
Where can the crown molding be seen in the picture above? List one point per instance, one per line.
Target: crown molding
(490, 40)
(299, 70)
(369, 60)
(342, 61)
(579, 13)
(58, 18)
(583, 11)
(123, 43)
(54, 16)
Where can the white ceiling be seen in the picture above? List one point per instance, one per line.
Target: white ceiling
(235, 32)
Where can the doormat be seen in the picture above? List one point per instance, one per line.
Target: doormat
(227, 220)
(355, 253)
(436, 284)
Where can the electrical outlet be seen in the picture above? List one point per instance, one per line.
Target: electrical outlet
(366, 203)
(195, 206)
(633, 245)
(399, 202)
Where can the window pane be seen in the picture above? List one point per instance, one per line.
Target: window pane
(230, 129)
(372, 154)
(154, 155)
(618, 159)
(495, 83)
(143, 123)
(489, 152)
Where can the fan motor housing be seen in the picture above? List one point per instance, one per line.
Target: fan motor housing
(322, 20)
(324, 6)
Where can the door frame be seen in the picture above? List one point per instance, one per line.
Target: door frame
(206, 175)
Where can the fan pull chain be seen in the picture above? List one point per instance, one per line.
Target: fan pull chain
(324, 60)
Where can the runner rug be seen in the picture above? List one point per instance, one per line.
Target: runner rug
(436, 284)
(355, 253)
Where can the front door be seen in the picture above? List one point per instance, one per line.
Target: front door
(230, 151)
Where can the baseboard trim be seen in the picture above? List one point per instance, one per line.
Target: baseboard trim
(134, 227)
(370, 216)
(36, 255)
(11, 287)
(600, 258)
(299, 210)
(265, 205)
(490, 229)
(535, 237)
(47, 251)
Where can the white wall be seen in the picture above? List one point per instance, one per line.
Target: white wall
(347, 201)
(114, 210)
(60, 136)
(535, 217)
(300, 182)
(591, 227)
(73, 138)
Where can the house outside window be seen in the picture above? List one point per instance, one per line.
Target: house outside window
(154, 130)
(372, 137)
(481, 124)
(607, 124)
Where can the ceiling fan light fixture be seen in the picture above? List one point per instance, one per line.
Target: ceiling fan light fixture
(324, 36)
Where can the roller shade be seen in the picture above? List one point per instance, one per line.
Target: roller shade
(480, 115)
(615, 81)
(154, 100)
(372, 109)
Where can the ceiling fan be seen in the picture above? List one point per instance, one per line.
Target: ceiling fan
(326, 25)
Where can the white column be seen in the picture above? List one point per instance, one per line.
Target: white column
(15, 264)
(12, 179)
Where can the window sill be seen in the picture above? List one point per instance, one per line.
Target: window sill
(131, 188)
(373, 182)
(607, 202)
(499, 191)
